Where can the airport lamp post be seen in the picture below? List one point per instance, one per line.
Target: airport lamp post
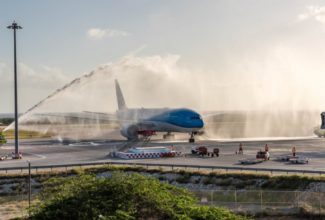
(29, 186)
(15, 26)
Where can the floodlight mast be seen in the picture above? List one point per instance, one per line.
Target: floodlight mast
(15, 26)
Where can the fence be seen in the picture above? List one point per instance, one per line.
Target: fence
(270, 202)
(13, 206)
(165, 166)
(243, 201)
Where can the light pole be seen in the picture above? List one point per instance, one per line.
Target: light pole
(29, 186)
(15, 26)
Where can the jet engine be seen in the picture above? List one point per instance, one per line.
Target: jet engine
(130, 132)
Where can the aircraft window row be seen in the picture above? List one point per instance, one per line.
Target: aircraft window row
(195, 117)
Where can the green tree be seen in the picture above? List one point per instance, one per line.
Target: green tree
(121, 196)
(3, 139)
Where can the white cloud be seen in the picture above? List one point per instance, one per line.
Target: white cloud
(314, 12)
(302, 17)
(98, 33)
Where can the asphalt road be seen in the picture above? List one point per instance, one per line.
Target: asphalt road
(51, 152)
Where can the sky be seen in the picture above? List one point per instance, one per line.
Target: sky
(273, 48)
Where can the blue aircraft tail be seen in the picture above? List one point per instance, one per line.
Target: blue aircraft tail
(120, 99)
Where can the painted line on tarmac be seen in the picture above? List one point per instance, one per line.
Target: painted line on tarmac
(37, 155)
(265, 139)
(13, 147)
(170, 142)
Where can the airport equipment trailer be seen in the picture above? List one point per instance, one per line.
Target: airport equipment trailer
(294, 159)
(284, 157)
(3, 157)
(147, 152)
(299, 160)
(251, 161)
(261, 156)
(265, 155)
(202, 151)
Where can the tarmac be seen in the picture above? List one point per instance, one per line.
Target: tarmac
(53, 152)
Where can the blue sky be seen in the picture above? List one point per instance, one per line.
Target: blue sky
(63, 39)
(55, 31)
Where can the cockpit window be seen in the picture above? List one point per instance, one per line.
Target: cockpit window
(195, 117)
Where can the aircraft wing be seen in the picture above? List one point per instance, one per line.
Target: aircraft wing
(79, 116)
(98, 117)
(146, 125)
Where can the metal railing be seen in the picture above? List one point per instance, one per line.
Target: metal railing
(268, 202)
(241, 201)
(248, 202)
(161, 165)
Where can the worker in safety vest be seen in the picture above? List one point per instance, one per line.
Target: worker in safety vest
(216, 151)
(293, 151)
(240, 151)
(267, 155)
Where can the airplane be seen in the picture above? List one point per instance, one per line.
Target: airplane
(146, 122)
(137, 122)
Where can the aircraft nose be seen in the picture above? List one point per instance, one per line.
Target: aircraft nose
(201, 123)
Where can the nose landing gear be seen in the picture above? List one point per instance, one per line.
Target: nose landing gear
(169, 136)
(192, 140)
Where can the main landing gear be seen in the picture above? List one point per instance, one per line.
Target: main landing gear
(192, 140)
(169, 136)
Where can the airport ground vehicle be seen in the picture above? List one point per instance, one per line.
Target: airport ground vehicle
(3, 157)
(216, 151)
(285, 157)
(293, 159)
(299, 160)
(202, 151)
(251, 161)
(263, 155)
(148, 152)
(16, 156)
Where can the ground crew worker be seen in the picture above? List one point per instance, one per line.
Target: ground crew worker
(216, 151)
(267, 155)
(240, 151)
(194, 150)
(266, 148)
(293, 151)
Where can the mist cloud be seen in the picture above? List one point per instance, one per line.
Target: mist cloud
(98, 33)
(34, 83)
(158, 81)
(314, 12)
(274, 84)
